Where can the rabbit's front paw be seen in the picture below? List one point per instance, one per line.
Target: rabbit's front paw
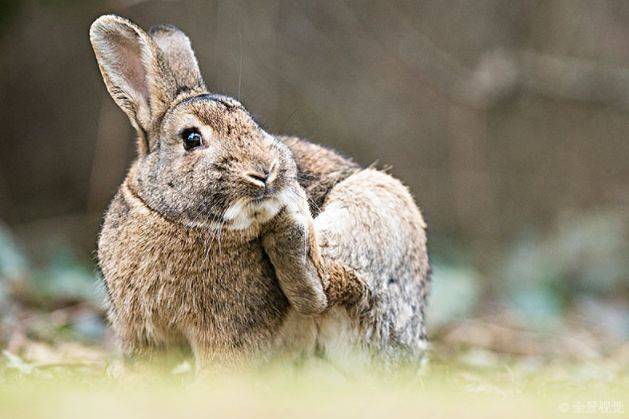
(290, 243)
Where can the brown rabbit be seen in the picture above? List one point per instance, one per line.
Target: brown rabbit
(211, 239)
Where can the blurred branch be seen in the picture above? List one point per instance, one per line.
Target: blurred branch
(502, 334)
(501, 73)
(575, 79)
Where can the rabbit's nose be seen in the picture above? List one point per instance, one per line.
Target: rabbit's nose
(263, 176)
(258, 178)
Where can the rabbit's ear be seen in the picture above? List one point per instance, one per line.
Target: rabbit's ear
(180, 57)
(134, 70)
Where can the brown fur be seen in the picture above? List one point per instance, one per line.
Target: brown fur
(242, 244)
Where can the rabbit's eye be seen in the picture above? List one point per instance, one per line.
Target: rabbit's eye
(191, 138)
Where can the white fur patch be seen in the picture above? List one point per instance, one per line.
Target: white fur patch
(237, 216)
(243, 213)
(336, 218)
(296, 205)
(341, 338)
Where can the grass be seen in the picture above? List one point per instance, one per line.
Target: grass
(468, 383)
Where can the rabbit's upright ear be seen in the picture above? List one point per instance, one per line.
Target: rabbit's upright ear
(180, 57)
(134, 70)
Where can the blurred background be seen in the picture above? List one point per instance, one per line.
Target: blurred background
(507, 119)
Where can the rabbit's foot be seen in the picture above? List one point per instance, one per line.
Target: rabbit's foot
(290, 242)
(345, 287)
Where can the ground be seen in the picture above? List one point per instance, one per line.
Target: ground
(76, 380)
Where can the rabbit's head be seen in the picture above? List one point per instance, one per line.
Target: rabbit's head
(203, 161)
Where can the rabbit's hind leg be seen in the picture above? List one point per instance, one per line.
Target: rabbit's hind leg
(371, 226)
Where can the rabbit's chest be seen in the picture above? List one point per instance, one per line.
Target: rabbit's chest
(164, 284)
(231, 294)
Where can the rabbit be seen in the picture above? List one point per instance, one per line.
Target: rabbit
(244, 245)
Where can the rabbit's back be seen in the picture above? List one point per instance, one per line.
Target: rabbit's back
(319, 169)
(367, 221)
(371, 224)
